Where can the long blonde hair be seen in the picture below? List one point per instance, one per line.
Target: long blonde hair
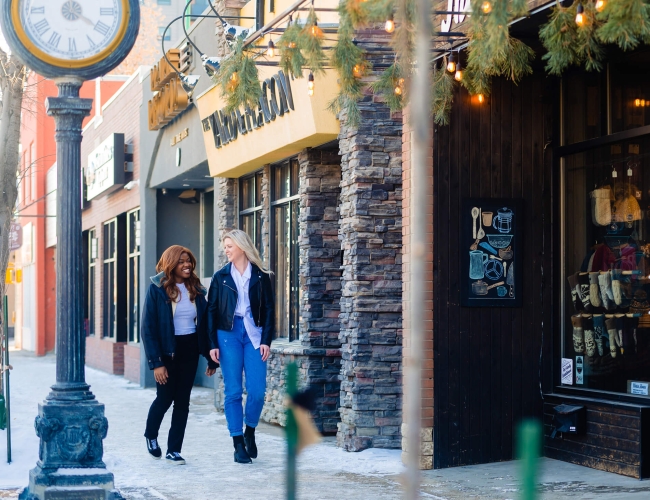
(244, 242)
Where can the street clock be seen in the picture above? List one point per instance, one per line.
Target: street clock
(79, 38)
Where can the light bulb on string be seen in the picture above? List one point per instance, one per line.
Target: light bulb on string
(271, 50)
(580, 15)
(357, 70)
(390, 24)
(486, 7)
(451, 64)
(458, 76)
(398, 90)
(315, 30)
(480, 98)
(600, 5)
(310, 84)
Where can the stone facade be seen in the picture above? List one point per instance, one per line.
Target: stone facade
(371, 299)
(226, 199)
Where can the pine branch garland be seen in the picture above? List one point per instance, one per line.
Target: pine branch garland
(291, 58)
(238, 79)
(391, 79)
(310, 44)
(627, 23)
(442, 94)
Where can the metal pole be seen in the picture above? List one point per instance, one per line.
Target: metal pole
(420, 113)
(5, 327)
(292, 431)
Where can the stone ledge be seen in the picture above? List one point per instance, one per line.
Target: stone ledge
(293, 348)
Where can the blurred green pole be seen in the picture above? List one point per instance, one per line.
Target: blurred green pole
(529, 445)
(5, 326)
(292, 431)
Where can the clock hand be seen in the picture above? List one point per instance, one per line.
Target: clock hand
(86, 20)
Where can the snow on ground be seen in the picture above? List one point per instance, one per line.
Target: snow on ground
(324, 471)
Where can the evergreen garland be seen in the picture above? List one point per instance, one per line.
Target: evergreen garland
(310, 44)
(291, 58)
(442, 92)
(350, 63)
(390, 80)
(627, 23)
(238, 79)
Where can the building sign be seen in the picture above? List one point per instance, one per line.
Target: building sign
(170, 99)
(276, 100)
(15, 236)
(450, 19)
(179, 137)
(285, 121)
(105, 171)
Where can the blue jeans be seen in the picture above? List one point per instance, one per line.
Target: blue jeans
(237, 355)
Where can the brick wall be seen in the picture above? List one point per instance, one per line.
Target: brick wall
(132, 362)
(105, 355)
(426, 460)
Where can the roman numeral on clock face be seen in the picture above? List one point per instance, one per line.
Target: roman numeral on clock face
(42, 26)
(102, 28)
(54, 40)
(90, 42)
(106, 11)
(72, 45)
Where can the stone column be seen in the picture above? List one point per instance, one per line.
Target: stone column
(371, 309)
(70, 424)
(227, 211)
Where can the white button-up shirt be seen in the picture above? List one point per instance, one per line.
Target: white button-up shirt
(243, 308)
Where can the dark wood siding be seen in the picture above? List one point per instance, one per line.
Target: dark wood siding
(486, 360)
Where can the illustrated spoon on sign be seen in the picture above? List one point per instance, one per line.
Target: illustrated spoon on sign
(481, 234)
(475, 214)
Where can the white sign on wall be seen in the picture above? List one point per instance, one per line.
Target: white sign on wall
(567, 371)
(105, 170)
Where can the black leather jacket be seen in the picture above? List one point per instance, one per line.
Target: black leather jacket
(222, 302)
(157, 326)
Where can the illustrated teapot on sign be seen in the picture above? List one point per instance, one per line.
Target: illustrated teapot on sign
(502, 221)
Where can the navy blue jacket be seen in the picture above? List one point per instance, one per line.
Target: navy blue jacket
(223, 302)
(157, 327)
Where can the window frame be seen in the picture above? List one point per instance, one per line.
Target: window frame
(133, 284)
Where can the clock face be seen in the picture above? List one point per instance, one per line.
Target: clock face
(73, 31)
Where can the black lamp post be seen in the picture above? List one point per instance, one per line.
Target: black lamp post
(70, 42)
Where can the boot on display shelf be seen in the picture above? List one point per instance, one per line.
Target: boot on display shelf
(599, 333)
(590, 341)
(606, 295)
(594, 290)
(583, 291)
(610, 324)
(578, 334)
(573, 286)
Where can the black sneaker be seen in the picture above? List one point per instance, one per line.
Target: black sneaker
(153, 448)
(173, 457)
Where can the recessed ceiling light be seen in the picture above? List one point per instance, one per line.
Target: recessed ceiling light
(186, 185)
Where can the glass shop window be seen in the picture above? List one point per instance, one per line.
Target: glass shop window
(606, 311)
(133, 273)
(250, 208)
(285, 256)
(92, 254)
(110, 277)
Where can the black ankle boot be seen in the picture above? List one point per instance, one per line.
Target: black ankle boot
(241, 456)
(249, 439)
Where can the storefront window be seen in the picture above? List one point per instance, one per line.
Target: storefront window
(90, 289)
(606, 261)
(285, 211)
(110, 278)
(250, 208)
(133, 267)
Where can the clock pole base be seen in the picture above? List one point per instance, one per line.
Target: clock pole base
(78, 484)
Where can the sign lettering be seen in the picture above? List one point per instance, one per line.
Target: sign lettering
(276, 100)
(455, 6)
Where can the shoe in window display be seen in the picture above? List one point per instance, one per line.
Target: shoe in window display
(599, 333)
(590, 341)
(578, 334)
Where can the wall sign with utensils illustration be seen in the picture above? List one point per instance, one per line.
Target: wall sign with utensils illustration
(491, 252)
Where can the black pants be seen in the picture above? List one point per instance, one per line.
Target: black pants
(181, 370)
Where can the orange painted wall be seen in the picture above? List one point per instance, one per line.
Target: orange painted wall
(39, 151)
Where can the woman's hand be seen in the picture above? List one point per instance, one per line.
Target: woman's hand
(210, 371)
(214, 354)
(265, 351)
(161, 375)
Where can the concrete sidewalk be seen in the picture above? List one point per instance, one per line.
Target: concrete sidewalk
(325, 472)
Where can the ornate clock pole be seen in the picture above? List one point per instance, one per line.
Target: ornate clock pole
(70, 41)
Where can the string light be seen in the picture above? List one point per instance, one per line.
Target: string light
(234, 78)
(458, 76)
(390, 24)
(310, 84)
(486, 7)
(398, 90)
(600, 5)
(316, 31)
(580, 16)
(357, 71)
(640, 103)
(481, 98)
(271, 50)
(451, 64)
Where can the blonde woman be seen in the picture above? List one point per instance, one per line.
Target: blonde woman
(241, 325)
